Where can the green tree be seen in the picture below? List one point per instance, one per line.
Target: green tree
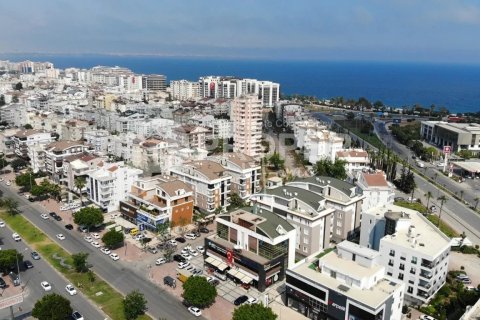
(89, 217)
(80, 183)
(198, 292)
(52, 307)
(18, 163)
(428, 195)
(18, 86)
(163, 229)
(113, 238)
(28, 126)
(9, 258)
(80, 261)
(10, 205)
(326, 167)
(15, 99)
(26, 181)
(255, 311)
(465, 154)
(134, 305)
(350, 116)
(442, 200)
(236, 201)
(2, 100)
(276, 161)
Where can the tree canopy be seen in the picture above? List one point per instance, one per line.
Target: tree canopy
(88, 217)
(80, 261)
(52, 307)
(18, 86)
(10, 205)
(134, 305)
(8, 259)
(198, 292)
(406, 182)
(18, 163)
(326, 167)
(253, 312)
(276, 161)
(113, 238)
(236, 201)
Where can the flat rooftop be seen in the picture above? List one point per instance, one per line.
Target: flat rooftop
(373, 297)
(430, 240)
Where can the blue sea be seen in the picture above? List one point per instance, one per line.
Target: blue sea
(455, 86)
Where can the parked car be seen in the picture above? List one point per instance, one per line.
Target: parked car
(27, 264)
(88, 239)
(187, 256)
(35, 255)
(190, 236)
(197, 272)
(14, 277)
(57, 218)
(83, 229)
(114, 256)
(160, 261)
(425, 317)
(105, 250)
(16, 237)
(172, 242)
(71, 290)
(399, 199)
(169, 281)
(3, 284)
(200, 249)
(204, 230)
(252, 300)
(195, 311)
(180, 239)
(77, 316)
(240, 300)
(182, 265)
(60, 236)
(68, 227)
(190, 268)
(95, 235)
(95, 244)
(433, 209)
(46, 286)
(2, 224)
(44, 216)
(152, 250)
(179, 258)
(52, 214)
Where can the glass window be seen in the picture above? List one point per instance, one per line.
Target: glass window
(222, 231)
(269, 251)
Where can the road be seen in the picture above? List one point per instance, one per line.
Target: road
(31, 279)
(118, 274)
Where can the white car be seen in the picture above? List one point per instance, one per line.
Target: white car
(160, 261)
(200, 249)
(185, 251)
(46, 286)
(95, 235)
(114, 256)
(182, 265)
(71, 290)
(172, 242)
(252, 300)
(44, 216)
(139, 237)
(190, 268)
(8, 183)
(105, 250)
(190, 236)
(187, 256)
(64, 208)
(95, 244)
(60, 236)
(194, 253)
(88, 239)
(2, 224)
(195, 311)
(16, 237)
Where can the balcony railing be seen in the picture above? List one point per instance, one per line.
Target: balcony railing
(426, 275)
(427, 264)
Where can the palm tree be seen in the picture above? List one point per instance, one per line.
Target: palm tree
(11, 205)
(442, 200)
(476, 202)
(428, 195)
(80, 183)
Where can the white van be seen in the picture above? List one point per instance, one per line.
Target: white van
(420, 164)
(220, 276)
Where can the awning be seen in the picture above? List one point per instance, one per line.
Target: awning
(240, 276)
(222, 266)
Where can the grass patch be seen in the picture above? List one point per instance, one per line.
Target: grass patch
(314, 264)
(354, 127)
(411, 205)
(445, 228)
(110, 301)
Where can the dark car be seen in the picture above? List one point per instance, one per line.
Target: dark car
(179, 258)
(196, 233)
(3, 284)
(68, 227)
(58, 218)
(31, 199)
(77, 316)
(28, 264)
(53, 214)
(204, 230)
(215, 282)
(35, 255)
(180, 239)
(240, 300)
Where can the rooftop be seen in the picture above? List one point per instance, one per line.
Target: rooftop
(210, 169)
(240, 159)
(27, 133)
(352, 153)
(171, 187)
(63, 144)
(288, 192)
(373, 297)
(343, 186)
(376, 179)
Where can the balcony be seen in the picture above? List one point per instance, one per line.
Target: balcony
(425, 285)
(422, 294)
(427, 264)
(426, 275)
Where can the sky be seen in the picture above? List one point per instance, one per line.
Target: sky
(372, 30)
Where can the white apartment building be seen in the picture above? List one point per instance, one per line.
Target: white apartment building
(190, 136)
(74, 129)
(110, 184)
(376, 189)
(348, 283)
(247, 125)
(210, 183)
(100, 140)
(24, 140)
(318, 142)
(356, 160)
(156, 154)
(245, 172)
(56, 152)
(303, 209)
(79, 166)
(341, 196)
(219, 128)
(412, 249)
(185, 90)
(14, 114)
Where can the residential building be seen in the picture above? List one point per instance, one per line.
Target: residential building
(74, 129)
(154, 201)
(191, 136)
(110, 184)
(247, 125)
(412, 249)
(244, 170)
(56, 152)
(376, 189)
(155, 82)
(460, 136)
(341, 196)
(24, 140)
(14, 114)
(348, 283)
(209, 181)
(356, 160)
(303, 209)
(185, 90)
(78, 166)
(100, 140)
(155, 154)
(218, 128)
(256, 244)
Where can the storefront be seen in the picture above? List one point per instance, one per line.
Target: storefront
(245, 266)
(149, 222)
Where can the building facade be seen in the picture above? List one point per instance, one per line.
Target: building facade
(460, 136)
(247, 125)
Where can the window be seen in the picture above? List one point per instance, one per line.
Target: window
(402, 266)
(339, 223)
(389, 274)
(333, 274)
(413, 270)
(392, 252)
(305, 231)
(390, 262)
(305, 249)
(339, 232)
(414, 260)
(305, 240)
(400, 276)
(410, 289)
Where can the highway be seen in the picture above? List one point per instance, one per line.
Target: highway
(118, 274)
(31, 279)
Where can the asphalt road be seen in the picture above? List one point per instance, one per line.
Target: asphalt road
(31, 279)
(117, 273)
